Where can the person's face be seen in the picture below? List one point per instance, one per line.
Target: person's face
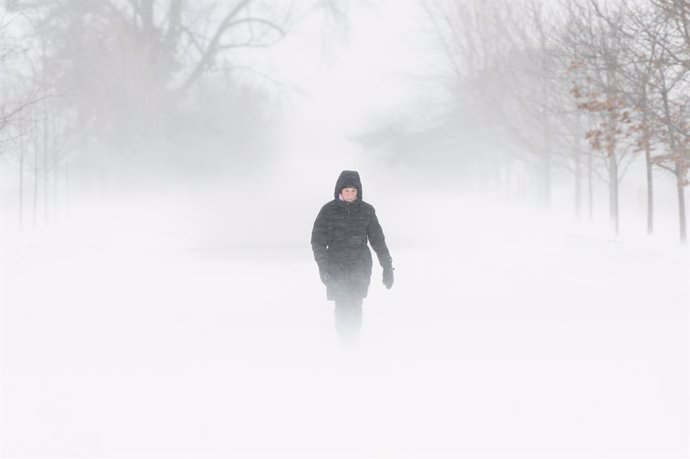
(349, 194)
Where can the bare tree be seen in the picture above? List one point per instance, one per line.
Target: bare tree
(125, 66)
(18, 100)
(8, 49)
(598, 48)
(654, 83)
(506, 56)
(672, 82)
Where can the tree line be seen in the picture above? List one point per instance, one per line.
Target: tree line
(97, 85)
(576, 86)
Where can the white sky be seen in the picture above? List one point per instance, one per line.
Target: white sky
(346, 82)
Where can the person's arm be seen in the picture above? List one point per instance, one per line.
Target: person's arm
(378, 241)
(320, 236)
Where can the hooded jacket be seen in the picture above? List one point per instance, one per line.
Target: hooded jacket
(339, 240)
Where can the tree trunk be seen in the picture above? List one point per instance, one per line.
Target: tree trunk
(613, 172)
(547, 180)
(611, 144)
(45, 169)
(546, 164)
(56, 171)
(546, 153)
(590, 186)
(648, 161)
(546, 128)
(679, 170)
(21, 183)
(650, 190)
(36, 175)
(681, 205)
(613, 193)
(67, 210)
(578, 179)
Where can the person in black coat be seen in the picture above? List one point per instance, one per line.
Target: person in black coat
(339, 241)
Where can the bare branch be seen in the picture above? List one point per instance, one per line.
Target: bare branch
(212, 48)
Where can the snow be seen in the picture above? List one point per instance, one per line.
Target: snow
(185, 317)
(499, 338)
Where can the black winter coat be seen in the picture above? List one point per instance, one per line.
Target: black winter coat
(339, 241)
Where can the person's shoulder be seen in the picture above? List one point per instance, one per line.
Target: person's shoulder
(365, 205)
(329, 205)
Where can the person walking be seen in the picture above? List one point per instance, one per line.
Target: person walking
(339, 242)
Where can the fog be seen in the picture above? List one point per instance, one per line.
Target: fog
(159, 293)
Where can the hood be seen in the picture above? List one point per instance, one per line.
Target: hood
(348, 178)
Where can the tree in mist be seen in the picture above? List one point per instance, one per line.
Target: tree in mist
(15, 99)
(5, 51)
(637, 70)
(671, 79)
(535, 89)
(599, 48)
(548, 76)
(663, 33)
(503, 56)
(473, 41)
(640, 91)
(141, 87)
(20, 98)
(124, 67)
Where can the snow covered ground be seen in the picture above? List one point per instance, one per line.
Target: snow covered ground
(496, 340)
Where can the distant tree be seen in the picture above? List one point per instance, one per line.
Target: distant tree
(12, 102)
(503, 57)
(598, 46)
(671, 80)
(124, 67)
(474, 39)
(653, 82)
(19, 98)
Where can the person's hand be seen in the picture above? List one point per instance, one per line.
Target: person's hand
(324, 277)
(388, 277)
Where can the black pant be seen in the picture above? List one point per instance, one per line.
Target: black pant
(348, 319)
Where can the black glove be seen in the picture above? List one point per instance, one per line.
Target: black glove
(324, 276)
(388, 277)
